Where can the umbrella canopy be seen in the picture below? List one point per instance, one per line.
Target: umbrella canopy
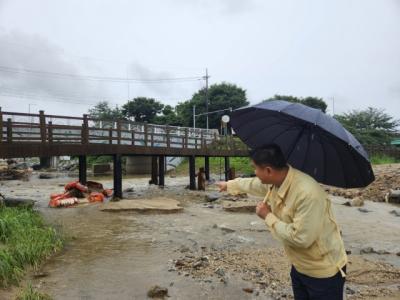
(312, 141)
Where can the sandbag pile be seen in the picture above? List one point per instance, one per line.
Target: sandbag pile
(73, 191)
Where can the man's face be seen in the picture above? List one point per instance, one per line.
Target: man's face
(264, 173)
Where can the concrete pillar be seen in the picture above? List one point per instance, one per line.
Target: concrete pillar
(117, 175)
(82, 169)
(45, 162)
(161, 170)
(192, 172)
(154, 170)
(226, 168)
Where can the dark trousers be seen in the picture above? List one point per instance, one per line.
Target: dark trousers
(310, 288)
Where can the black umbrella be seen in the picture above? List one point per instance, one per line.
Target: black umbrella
(312, 141)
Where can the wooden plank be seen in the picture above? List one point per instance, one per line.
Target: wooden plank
(118, 132)
(42, 122)
(50, 132)
(85, 130)
(168, 137)
(9, 130)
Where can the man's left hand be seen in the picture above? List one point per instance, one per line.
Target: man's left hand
(262, 210)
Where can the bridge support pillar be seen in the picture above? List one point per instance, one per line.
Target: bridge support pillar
(161, 170)
(226, 168)
(45, 162)
(154, 170)
(207, 167)
(192, 172)
(82, 169)
(117, 175)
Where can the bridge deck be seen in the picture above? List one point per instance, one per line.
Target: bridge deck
(30, 135)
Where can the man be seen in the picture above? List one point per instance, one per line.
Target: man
(298, 213)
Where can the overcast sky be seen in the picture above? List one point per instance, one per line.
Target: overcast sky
(342, 50)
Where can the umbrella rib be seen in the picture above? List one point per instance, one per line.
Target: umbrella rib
(341, 161)
(295, 142)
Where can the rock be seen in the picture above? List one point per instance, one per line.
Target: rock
(239, 206)
(370, 250)
(184, 249)
(212, 197)
(220, 271)
(367, 250)
(364, 210)
(395, 212)
(154, 205)
(180, 263)
(398, 253)
(350, 291)
(357, 201)
(248, 290)
(16, 202)
(129, 190)
(226, 229)
(157, 292)
(45, 176)
(40, 274)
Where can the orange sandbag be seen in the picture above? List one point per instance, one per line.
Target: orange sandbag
(96, 197)
(71, 185)
(63, 202)
(81, 187)
(60, 196)
(55, 195)
(108, 192)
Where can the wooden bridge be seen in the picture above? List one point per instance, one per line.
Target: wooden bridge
(41, 135)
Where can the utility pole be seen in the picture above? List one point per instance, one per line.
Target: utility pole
(206, 78)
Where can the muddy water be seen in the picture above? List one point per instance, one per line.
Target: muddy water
(121, 255)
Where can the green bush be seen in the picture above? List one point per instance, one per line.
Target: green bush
(24, 241)
(383, 159)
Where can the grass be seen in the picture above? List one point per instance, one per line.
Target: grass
(242, 165)
(383, 159)
(29, 293)
(24, 241)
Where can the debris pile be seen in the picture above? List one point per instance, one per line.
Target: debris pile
(12, 170)
(73, 191)
(387, 180)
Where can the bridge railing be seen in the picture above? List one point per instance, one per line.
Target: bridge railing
(54, 129)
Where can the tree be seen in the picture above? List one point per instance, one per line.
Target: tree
(168, 117)
(313, 102)
(142, 109)
(221, 96)
(371, 126)
(103, 111)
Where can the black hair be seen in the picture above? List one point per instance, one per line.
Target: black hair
(268, 155)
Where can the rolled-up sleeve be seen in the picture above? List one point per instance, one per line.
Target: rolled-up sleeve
(306, 226)
(252, 186)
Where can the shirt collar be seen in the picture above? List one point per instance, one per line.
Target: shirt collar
(283, 189)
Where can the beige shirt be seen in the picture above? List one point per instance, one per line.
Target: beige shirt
(302, 220)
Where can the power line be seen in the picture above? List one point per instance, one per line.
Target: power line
(22, 71)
